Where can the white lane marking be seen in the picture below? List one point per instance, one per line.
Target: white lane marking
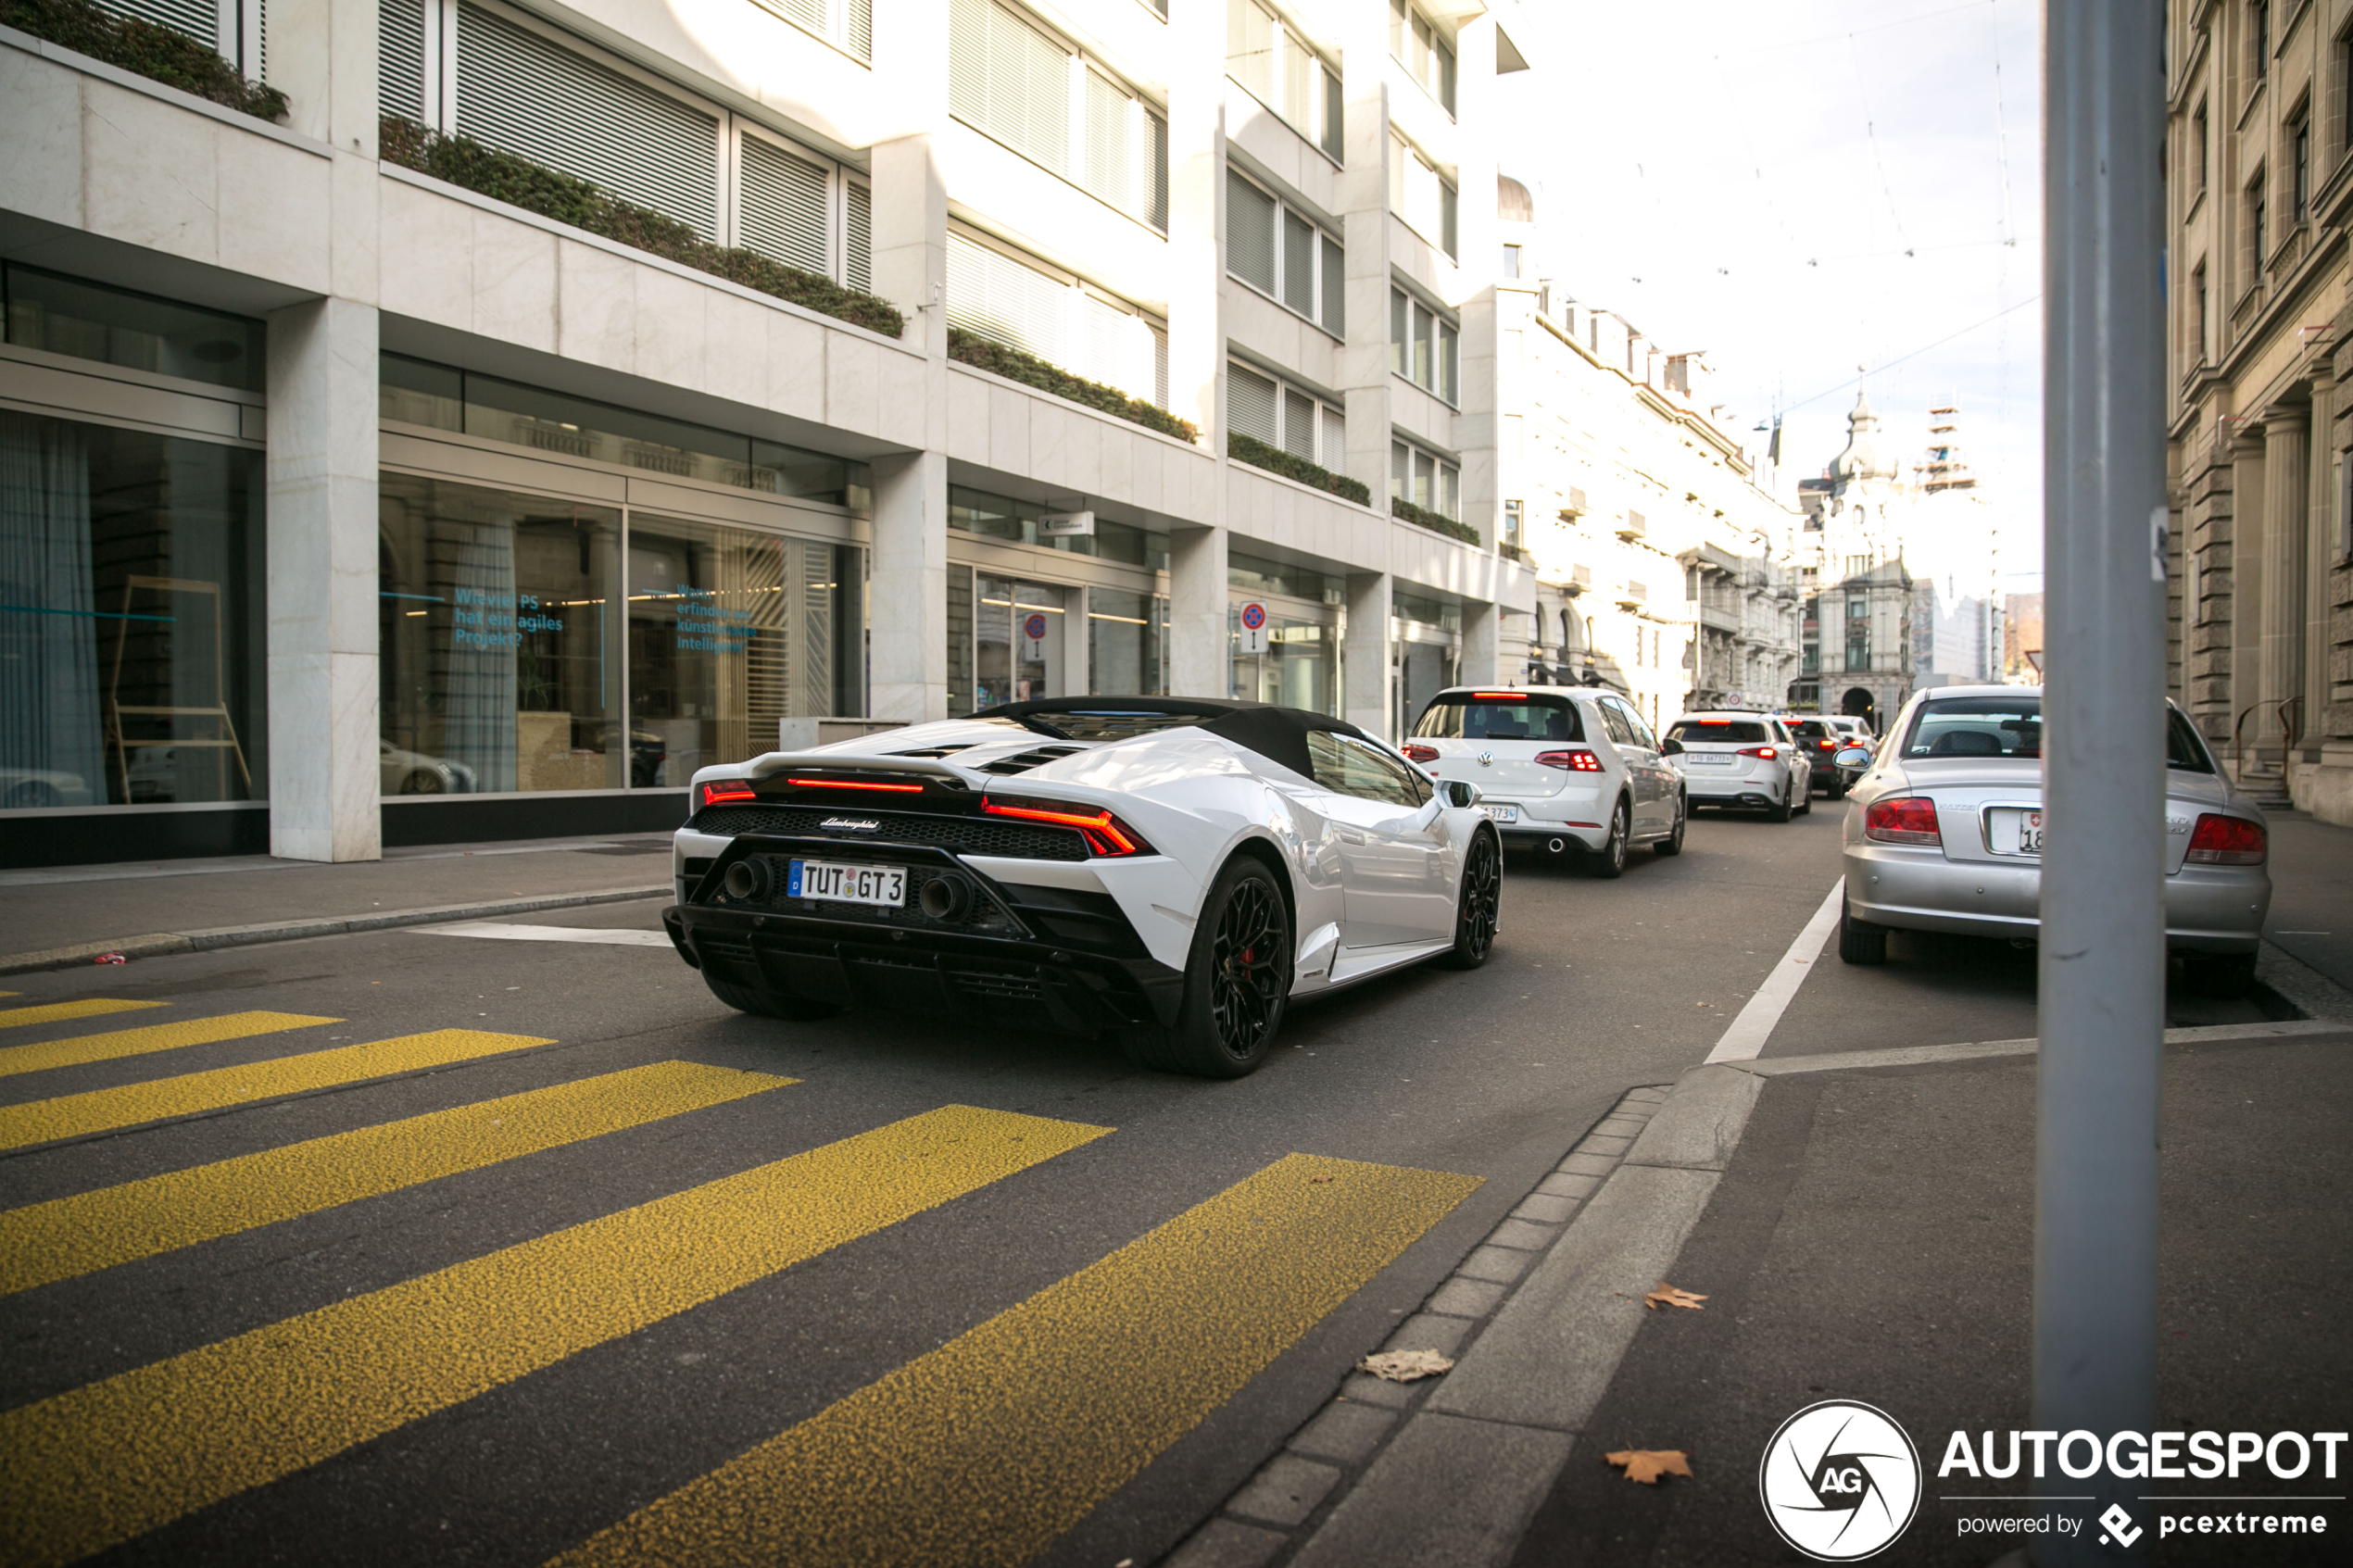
(503, 932)
(1749, 1031)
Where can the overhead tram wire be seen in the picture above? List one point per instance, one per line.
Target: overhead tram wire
(1914, 354)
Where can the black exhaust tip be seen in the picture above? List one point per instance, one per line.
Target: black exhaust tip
(749, 882)
(946, 898)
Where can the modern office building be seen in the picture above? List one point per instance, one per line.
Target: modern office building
(456, 419)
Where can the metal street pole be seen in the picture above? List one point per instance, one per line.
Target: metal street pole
(2102, 959)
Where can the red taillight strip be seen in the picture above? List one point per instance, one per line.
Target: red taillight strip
(1105, 833)
(1499, 696)
(722, 792)
(858, 783)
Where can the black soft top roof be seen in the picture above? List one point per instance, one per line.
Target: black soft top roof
(1276, 733)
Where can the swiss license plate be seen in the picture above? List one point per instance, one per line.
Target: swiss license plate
(2029, 833)
(839, 883)
(1502, 813)
(2024, 834)
(1710, 759)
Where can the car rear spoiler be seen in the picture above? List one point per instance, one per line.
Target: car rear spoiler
(849, 761)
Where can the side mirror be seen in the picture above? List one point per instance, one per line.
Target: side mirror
(1852, 757)
(1671, 746)
(1459, 792)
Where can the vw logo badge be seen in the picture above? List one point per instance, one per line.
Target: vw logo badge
(1487, 760)
(1839, 1481)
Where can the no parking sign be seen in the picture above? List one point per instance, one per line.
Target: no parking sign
(1254, 628)
(1034, 628)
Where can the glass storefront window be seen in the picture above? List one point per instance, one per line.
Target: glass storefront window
(1252, 575)
(1126, 643)
(417, 392)
(1000, 517)
(729, 631)
(136, 331)
(132, 668)
(1298, 668)
(499, 636)
(1017, 641)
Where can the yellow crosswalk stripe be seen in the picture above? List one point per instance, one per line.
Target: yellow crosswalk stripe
(59, 1012)
(84, 1049)
(100, 1110)
(105, 1462)
(96, 1230)
(986, 1450)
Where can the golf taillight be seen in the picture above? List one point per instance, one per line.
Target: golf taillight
(1576, 759)
(722, 792)
(1767, 752)
(2227, 841)
(1107, 837)
(1907, 819)
(1420, 753)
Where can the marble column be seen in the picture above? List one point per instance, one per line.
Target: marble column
(2319, 555)
(2246, 583)
(2287, 490)
(1365, 655)
(907, 591)
(1200, 662)
(321, 543)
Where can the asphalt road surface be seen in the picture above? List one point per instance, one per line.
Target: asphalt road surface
(435, 1247)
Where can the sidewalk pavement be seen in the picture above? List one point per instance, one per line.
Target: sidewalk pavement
(1861, 1224)
(58, 916)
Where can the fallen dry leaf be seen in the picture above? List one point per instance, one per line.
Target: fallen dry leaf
(1318, 1180)
(1669, 1296)
(1406, 1366)
(1647, 1465)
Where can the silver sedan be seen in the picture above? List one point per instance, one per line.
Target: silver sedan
(1945, 833)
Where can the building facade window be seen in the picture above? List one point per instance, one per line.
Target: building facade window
(1425, 52)
(1306, 424)
(1018, 83)
(1017, 302)
(1424, 346)
(1511, 261)
(132, 668)
(1284, 254)
(2199, 307)
(1426, 199)
(2299, 145)
(1282, 70)
(1515, 514)
(1424, 479)
(2257, 213)
(1126, 643)
(2258, 35)
(62, 315)
(2202, 139)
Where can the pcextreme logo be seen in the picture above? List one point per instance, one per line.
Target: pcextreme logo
(1839, 1481)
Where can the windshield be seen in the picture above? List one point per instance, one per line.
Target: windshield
(1473, 716)
(1709, 730)
(1976, 726)
(1810, 728)
(1107, 724)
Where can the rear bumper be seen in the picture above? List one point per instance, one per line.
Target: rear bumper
(2207, 909)
(1037, 953)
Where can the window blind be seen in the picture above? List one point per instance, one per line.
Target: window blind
(1249, 403)
(1299, 424)
(1158, 214)
(199, 19)
(781, 207)
(524, 94)
(400, 35)
(857, 25)
(1250, 232)
(1110, 168)
(1119, 350)
(1298, 264)
(1010, 80)
(1335, 456)
(1335, 288)
(1002, 299)
(1250, 47)
(858, 242)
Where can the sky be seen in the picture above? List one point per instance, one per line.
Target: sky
(1801, 191)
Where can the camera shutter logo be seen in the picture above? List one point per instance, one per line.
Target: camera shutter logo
(1839, 1481)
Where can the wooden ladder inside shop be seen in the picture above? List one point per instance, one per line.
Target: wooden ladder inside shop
(224, 735)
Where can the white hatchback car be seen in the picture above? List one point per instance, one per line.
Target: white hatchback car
(1744, 760)
(1557, 766)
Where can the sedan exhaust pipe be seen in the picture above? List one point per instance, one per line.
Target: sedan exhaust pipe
(1557, 845)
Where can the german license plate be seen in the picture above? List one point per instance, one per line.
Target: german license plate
(838, 883)
(1502, 813)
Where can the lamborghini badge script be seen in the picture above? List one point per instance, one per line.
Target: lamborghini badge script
(850, 824)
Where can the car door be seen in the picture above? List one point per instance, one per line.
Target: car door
(1394, 857)
(1640, 748)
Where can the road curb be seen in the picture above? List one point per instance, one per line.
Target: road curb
(163, 943)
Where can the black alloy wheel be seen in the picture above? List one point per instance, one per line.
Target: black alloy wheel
(1481, 902)
(1609, 861)
(1805, 799)
(1237, 981)
(1779, 811)
(1860, 942)
(1673, 842)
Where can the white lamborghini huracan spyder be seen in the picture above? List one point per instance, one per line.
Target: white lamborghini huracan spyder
(1170, 868)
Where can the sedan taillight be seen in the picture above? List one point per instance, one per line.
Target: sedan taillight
(1767, 752)
(1576, 759)
(2227, 841)
(1417, 753)
(721, 792)
(1908, 819)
